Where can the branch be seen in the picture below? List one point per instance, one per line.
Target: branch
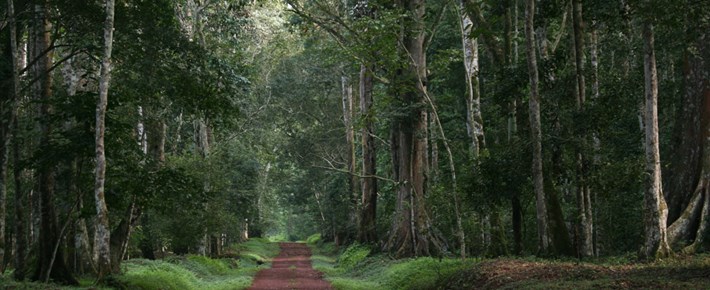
(355, 174)
(562, 31)
(44, 73)
(435, 25)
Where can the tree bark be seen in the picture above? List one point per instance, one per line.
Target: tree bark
(584, 207)
(103, 234)
(353, 182)
(474, 120)
(20, 219)
(655, 209)
(47, 266)
(689, 172)
(368, 217)
(535, 129)
(412, 233)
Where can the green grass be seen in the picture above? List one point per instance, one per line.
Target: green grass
(199, 272)
(179, 272)
(7, 282)
(355, 268)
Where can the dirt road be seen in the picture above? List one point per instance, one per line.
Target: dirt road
(290, 270)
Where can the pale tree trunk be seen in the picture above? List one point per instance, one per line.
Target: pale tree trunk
(412, 233)
(103, 234)
(368, 218)
(474, 120)
(202, 143)
(535, 129)
(594, 58)
(584, 207)
(348, 103)
(655, 209)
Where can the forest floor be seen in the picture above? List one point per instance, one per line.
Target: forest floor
(509, 273)
(291, 269)
(356, 268)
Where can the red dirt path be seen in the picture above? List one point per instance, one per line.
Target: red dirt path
(290, 270)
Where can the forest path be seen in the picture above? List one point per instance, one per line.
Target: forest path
(291, 269)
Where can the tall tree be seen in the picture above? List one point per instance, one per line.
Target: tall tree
(50, 265)
(348, 121)
(367, 232)
(474, 120)
(103, 234)
(412, 233)
(687, 182)
(655, 208)
(20, 233)
(584, 206)
(535, 129)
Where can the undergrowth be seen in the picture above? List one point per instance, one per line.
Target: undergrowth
(236, 271)
(356, 268)
(199, 272)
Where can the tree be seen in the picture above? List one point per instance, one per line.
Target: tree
(584, 200)
(367, 231)
(49, 265)
(655, 208)
(20, 236)
(103, 234)
(535, 130)
(686, 183)
(412, 233)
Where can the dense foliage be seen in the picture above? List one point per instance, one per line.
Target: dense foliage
(234, 119)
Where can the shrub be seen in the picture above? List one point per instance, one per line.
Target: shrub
(313, 239)
(352, 256)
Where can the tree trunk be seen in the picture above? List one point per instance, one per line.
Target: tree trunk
(20, 219)
(535, 129)
(584, 207)
(655, 209)
(691, 161)
(103, 234)
(474, 120)
(120, 236)
(412, 233)
(368, 215)
(47, 267)
(353, 182)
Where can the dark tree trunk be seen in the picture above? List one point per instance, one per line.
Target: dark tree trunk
(689, 179)
(49, 266)
(584, 207)
(368, 218)
(121, 234)
(412, 233)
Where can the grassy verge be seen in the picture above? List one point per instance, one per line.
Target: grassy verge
(6, 282)
(682, 272)
(179, 272)
(355, 268)
(198, 272)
